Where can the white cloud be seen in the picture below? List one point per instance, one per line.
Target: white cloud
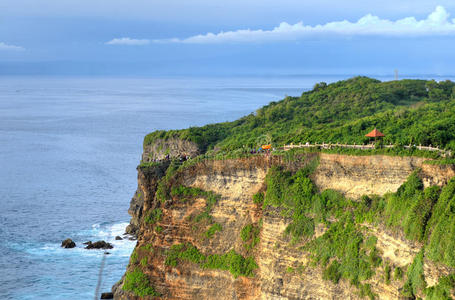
(437, 23)
(4, 46)
(128, 41)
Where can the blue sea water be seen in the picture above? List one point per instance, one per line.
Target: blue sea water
(69, 148)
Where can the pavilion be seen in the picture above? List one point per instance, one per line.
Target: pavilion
(375, 134)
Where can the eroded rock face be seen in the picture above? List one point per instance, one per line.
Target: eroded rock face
(237, 181)
(147, 181)
(356, 176)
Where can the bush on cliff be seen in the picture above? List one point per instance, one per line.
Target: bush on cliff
(153, 216)
(250, 236)
(138, 283)
(443, 290)
(231, 261)
(442, 227)
(415, 277)
(295, 193)
(344, 243)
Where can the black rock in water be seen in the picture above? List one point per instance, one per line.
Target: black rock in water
(68, 243)
(118, 238)
(87, 243)
(108, 295)
(99, 245)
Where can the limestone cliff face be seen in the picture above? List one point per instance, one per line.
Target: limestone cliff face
(144, 195)
(376, 174)
(237, 181)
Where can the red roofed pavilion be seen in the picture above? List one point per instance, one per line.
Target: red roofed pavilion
(375, 134)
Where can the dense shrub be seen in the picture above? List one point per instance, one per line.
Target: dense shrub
(153, 216)
(258, 198)
(138, 283)
(250, 236)
(294, 192)
(443, 290)
(231, 261)
(214, 228)
(344, 243)
(415, 278)
(442, 227)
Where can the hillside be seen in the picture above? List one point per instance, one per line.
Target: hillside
(301, 224)
(406, 111)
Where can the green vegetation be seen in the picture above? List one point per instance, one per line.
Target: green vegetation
(134, 257)
(154, 216)
(365, 291)
(416, 280)
(332, 272)
(144, 262)
(444, 161)
(345, 252)
(258, 198)
(443, 290)
(396, 150)
(148, 247)
(406, 111)
(158, 229)
(250, 236)
(293, 192)
(214, 228)
(144, 165)
(231, 261)
(387, 273)
(442, 224)
(410, 207)
(186, 193)
(138, 283)
(163, 188)
(183, 252)
(398, 273)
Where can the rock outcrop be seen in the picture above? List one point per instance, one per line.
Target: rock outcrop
(68, 243)
(99, 245)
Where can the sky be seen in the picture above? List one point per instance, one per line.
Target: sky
(249, 37)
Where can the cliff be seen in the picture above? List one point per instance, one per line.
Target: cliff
(185, 237)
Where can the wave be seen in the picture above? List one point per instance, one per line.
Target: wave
(103, 231)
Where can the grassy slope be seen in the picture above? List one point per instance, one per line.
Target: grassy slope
(407, 111)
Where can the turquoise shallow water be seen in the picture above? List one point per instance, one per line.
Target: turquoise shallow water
(68, 152)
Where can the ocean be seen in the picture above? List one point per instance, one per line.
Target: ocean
(69, 148)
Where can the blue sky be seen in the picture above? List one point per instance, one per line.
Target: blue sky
(256, 37)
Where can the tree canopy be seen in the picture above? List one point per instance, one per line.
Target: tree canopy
(406, 111)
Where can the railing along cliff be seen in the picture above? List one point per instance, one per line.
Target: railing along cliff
(363, 147)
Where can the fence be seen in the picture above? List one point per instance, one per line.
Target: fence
(363, 147)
